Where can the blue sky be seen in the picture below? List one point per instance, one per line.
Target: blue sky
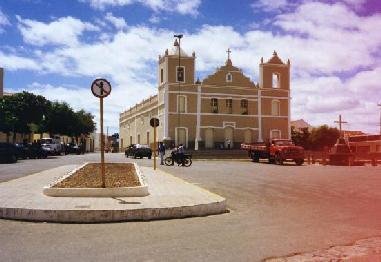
(56, 48)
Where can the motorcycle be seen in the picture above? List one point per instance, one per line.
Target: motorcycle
(170, 160)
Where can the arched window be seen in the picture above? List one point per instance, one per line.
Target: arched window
(180, 74)
(244, 107)
(214, 105)
(229, 77)
(275, 107)
(276, 80)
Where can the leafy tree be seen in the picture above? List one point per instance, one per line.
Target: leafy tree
(301, 137)
(7, 117)
(25, 112)
(59, 119)
(323, 136)
(85, 123)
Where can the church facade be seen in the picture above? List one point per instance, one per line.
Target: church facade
(222, 111)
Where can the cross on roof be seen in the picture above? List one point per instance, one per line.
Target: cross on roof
(340, 122)
(228, 51)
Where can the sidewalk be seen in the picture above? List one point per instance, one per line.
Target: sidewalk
(170, 197)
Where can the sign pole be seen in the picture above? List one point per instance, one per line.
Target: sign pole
(102, 144)
(101, 88)
(155, 147)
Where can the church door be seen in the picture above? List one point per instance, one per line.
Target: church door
(182, 137)
(209, 141)
(228, 137)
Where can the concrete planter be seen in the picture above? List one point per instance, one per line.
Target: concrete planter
(136, 191)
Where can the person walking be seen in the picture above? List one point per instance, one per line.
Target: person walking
(161, 152)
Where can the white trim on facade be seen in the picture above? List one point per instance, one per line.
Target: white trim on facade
(289, 118)
(198, 119)
(260, 137)
(166, 103)
(232, 98)
(153, 108)
(218, 114)
(228, 123)
(236, 128)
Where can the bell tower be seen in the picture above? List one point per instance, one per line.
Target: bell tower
(274, 73)
(176, 66)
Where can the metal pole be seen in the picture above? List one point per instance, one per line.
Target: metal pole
(102, 144)
(177, 76)
(178, 97)
(379, 104)
(154, 146)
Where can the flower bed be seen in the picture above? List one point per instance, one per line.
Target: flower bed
(121, 179)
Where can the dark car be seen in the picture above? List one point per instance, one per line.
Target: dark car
(8, 153)
(22, 151)
(72, 149)
(35, 150)
(138, 151)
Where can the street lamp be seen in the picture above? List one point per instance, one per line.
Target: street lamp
(178, 44)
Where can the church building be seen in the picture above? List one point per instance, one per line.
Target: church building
(221, 111)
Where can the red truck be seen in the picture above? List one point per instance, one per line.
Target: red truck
(278, 151)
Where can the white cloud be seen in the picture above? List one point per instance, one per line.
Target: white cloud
(3, 21)
(15, 62)
(154, 19)
(63, 31)
(270, 5)
(321, 50)
(118, 22)
(180, 6)
(81, 98)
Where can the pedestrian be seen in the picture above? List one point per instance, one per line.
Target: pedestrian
(161, 152)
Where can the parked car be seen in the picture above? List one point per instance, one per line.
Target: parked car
(138, 150)
(36, 150)
(22, 151)
(72, 149)
(52, 145)
(8, 153)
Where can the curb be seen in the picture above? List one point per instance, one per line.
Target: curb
(28, 203)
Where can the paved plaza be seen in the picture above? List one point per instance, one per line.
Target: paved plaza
(275, 211)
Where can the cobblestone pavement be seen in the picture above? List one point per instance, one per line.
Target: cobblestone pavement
(275, 211)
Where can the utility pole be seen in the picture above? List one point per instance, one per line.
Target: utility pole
(340, 122)
(379, 104)
(178, 44)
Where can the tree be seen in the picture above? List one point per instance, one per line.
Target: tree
(85, 123)
(301, 137)
(60, 119)
(324, 136)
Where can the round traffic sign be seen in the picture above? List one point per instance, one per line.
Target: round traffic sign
(154, 122)
(101, 87)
